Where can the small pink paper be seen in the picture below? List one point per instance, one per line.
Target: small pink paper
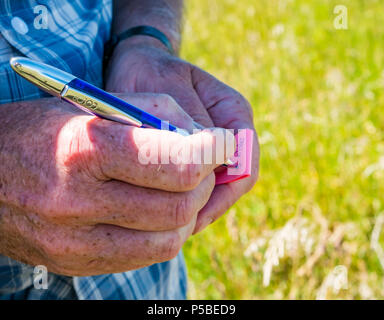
(242, 159)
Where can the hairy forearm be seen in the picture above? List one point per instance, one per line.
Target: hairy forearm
(165, 15)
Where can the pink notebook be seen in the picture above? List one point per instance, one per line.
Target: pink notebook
(242, 159)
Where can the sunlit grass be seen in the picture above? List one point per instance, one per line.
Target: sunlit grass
(318, 103)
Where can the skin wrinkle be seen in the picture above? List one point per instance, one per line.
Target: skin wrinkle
(81, 152)
(167, 204)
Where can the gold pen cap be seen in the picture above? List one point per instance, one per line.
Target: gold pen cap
(47, 78)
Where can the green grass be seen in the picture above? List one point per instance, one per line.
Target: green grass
(318, 104)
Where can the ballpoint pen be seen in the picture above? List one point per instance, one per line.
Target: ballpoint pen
(86, 96)
(105, 105)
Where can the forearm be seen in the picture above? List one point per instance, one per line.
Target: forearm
(165, 15)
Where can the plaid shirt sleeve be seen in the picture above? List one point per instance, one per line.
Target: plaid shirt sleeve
(72, 39)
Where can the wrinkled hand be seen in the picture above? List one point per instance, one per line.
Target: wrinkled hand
(141, 65)
(75, 197)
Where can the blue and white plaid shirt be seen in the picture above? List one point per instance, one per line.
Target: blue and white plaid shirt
(71, 37)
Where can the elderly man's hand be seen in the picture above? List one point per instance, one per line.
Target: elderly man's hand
(75, 197)
(142, 64)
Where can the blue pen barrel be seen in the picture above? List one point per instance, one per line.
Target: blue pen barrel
(147, 119)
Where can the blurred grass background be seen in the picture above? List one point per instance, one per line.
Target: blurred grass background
(318, 104)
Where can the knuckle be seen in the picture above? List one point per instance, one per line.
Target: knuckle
(65, 211)
(240, 99)
(105, 137)
(84, 150)
(184, 210)
(53, 216)
(171, 248)
(99, 146)
(190, 176)
(53, 212)
(176, 66)
(165, 100)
